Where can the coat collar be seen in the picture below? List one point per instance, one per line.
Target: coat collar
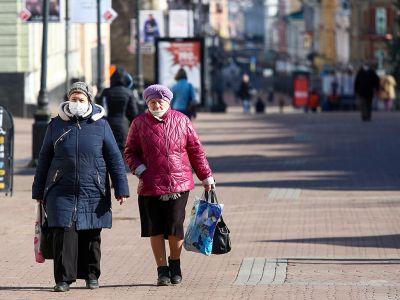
(96, 112)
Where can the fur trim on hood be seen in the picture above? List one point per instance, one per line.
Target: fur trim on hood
(96, 111)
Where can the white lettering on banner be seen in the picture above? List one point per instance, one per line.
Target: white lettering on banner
(301, 94)
(1, 154)
(1, 148)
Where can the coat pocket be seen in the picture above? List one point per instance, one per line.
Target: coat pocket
(55, 178)
(99, 183)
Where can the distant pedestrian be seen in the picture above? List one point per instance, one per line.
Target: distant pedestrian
(366, 84)
(121, 106)
(161, 149)
(387, 92)
(244, 93)
(333, 97)
(281, 103)
(184, 95)
(78, 155)
(271, 95)
(313, 100)
(259, 106)
(347, 96)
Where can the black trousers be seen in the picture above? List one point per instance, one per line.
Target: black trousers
(366, 108)
(76, 254)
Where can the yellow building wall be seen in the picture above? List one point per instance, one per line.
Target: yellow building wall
(327, 33)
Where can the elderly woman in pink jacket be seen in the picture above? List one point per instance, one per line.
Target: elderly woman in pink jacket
(161, 149)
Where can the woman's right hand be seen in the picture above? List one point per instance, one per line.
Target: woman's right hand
(39, 201)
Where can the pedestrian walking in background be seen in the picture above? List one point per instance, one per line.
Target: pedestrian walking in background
(347, 97)
(245, 94)
(184, 95)
(333, 97)
(387, 92)
(259, 106)
(161, 150)
(313, 100)
(366, 84)
(71, 180)
(121, 106)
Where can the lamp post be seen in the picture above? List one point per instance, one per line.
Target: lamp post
(67, 19)
(139, 63)
(99, 60)
(42, 114)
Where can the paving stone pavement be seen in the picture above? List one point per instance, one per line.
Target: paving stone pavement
(312, 201)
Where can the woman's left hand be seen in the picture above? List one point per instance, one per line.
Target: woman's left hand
(121, 199)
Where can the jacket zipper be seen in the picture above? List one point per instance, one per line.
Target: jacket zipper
(167, 154)
(55, 176)
(74, 217)
(60, 138)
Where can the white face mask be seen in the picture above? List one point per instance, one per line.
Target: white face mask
(158, 113)
(78, 108)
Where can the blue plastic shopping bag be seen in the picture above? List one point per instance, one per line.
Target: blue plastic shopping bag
(203, 220)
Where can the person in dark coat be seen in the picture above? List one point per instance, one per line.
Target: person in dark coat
(244, 93)
(78, 155)
(365, 85)
(121, 106)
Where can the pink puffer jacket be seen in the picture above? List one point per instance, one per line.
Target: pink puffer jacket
(169, 149)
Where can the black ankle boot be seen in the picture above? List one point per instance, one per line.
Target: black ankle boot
(163, 276)
(175, 269)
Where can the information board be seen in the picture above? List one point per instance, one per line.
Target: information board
(6, 151)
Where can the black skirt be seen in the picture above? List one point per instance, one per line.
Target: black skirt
(162, 217)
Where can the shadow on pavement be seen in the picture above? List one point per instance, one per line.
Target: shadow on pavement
(377, 241)
(50, 289)
(346, 153)
(327, 183)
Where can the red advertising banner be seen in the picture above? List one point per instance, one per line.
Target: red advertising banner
(301, 86)
(173, 54)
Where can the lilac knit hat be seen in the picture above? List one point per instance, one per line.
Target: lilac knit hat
(157, 91)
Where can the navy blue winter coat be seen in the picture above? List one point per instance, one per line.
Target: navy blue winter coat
(71, 178)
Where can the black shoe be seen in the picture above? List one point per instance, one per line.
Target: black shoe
(92, 284)
(175, 269)
(61, 287)
(163, 276)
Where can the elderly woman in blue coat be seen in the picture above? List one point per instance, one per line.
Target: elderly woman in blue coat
(78, 155)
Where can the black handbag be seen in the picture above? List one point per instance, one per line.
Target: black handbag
(46, 237)
(221, 239)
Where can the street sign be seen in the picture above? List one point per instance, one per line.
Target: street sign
(6, 151)
(110, 15)
(25, 15)
(33, 11)
(85, 11)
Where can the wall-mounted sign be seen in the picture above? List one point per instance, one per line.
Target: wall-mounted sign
(33, 11)
(6, 151)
